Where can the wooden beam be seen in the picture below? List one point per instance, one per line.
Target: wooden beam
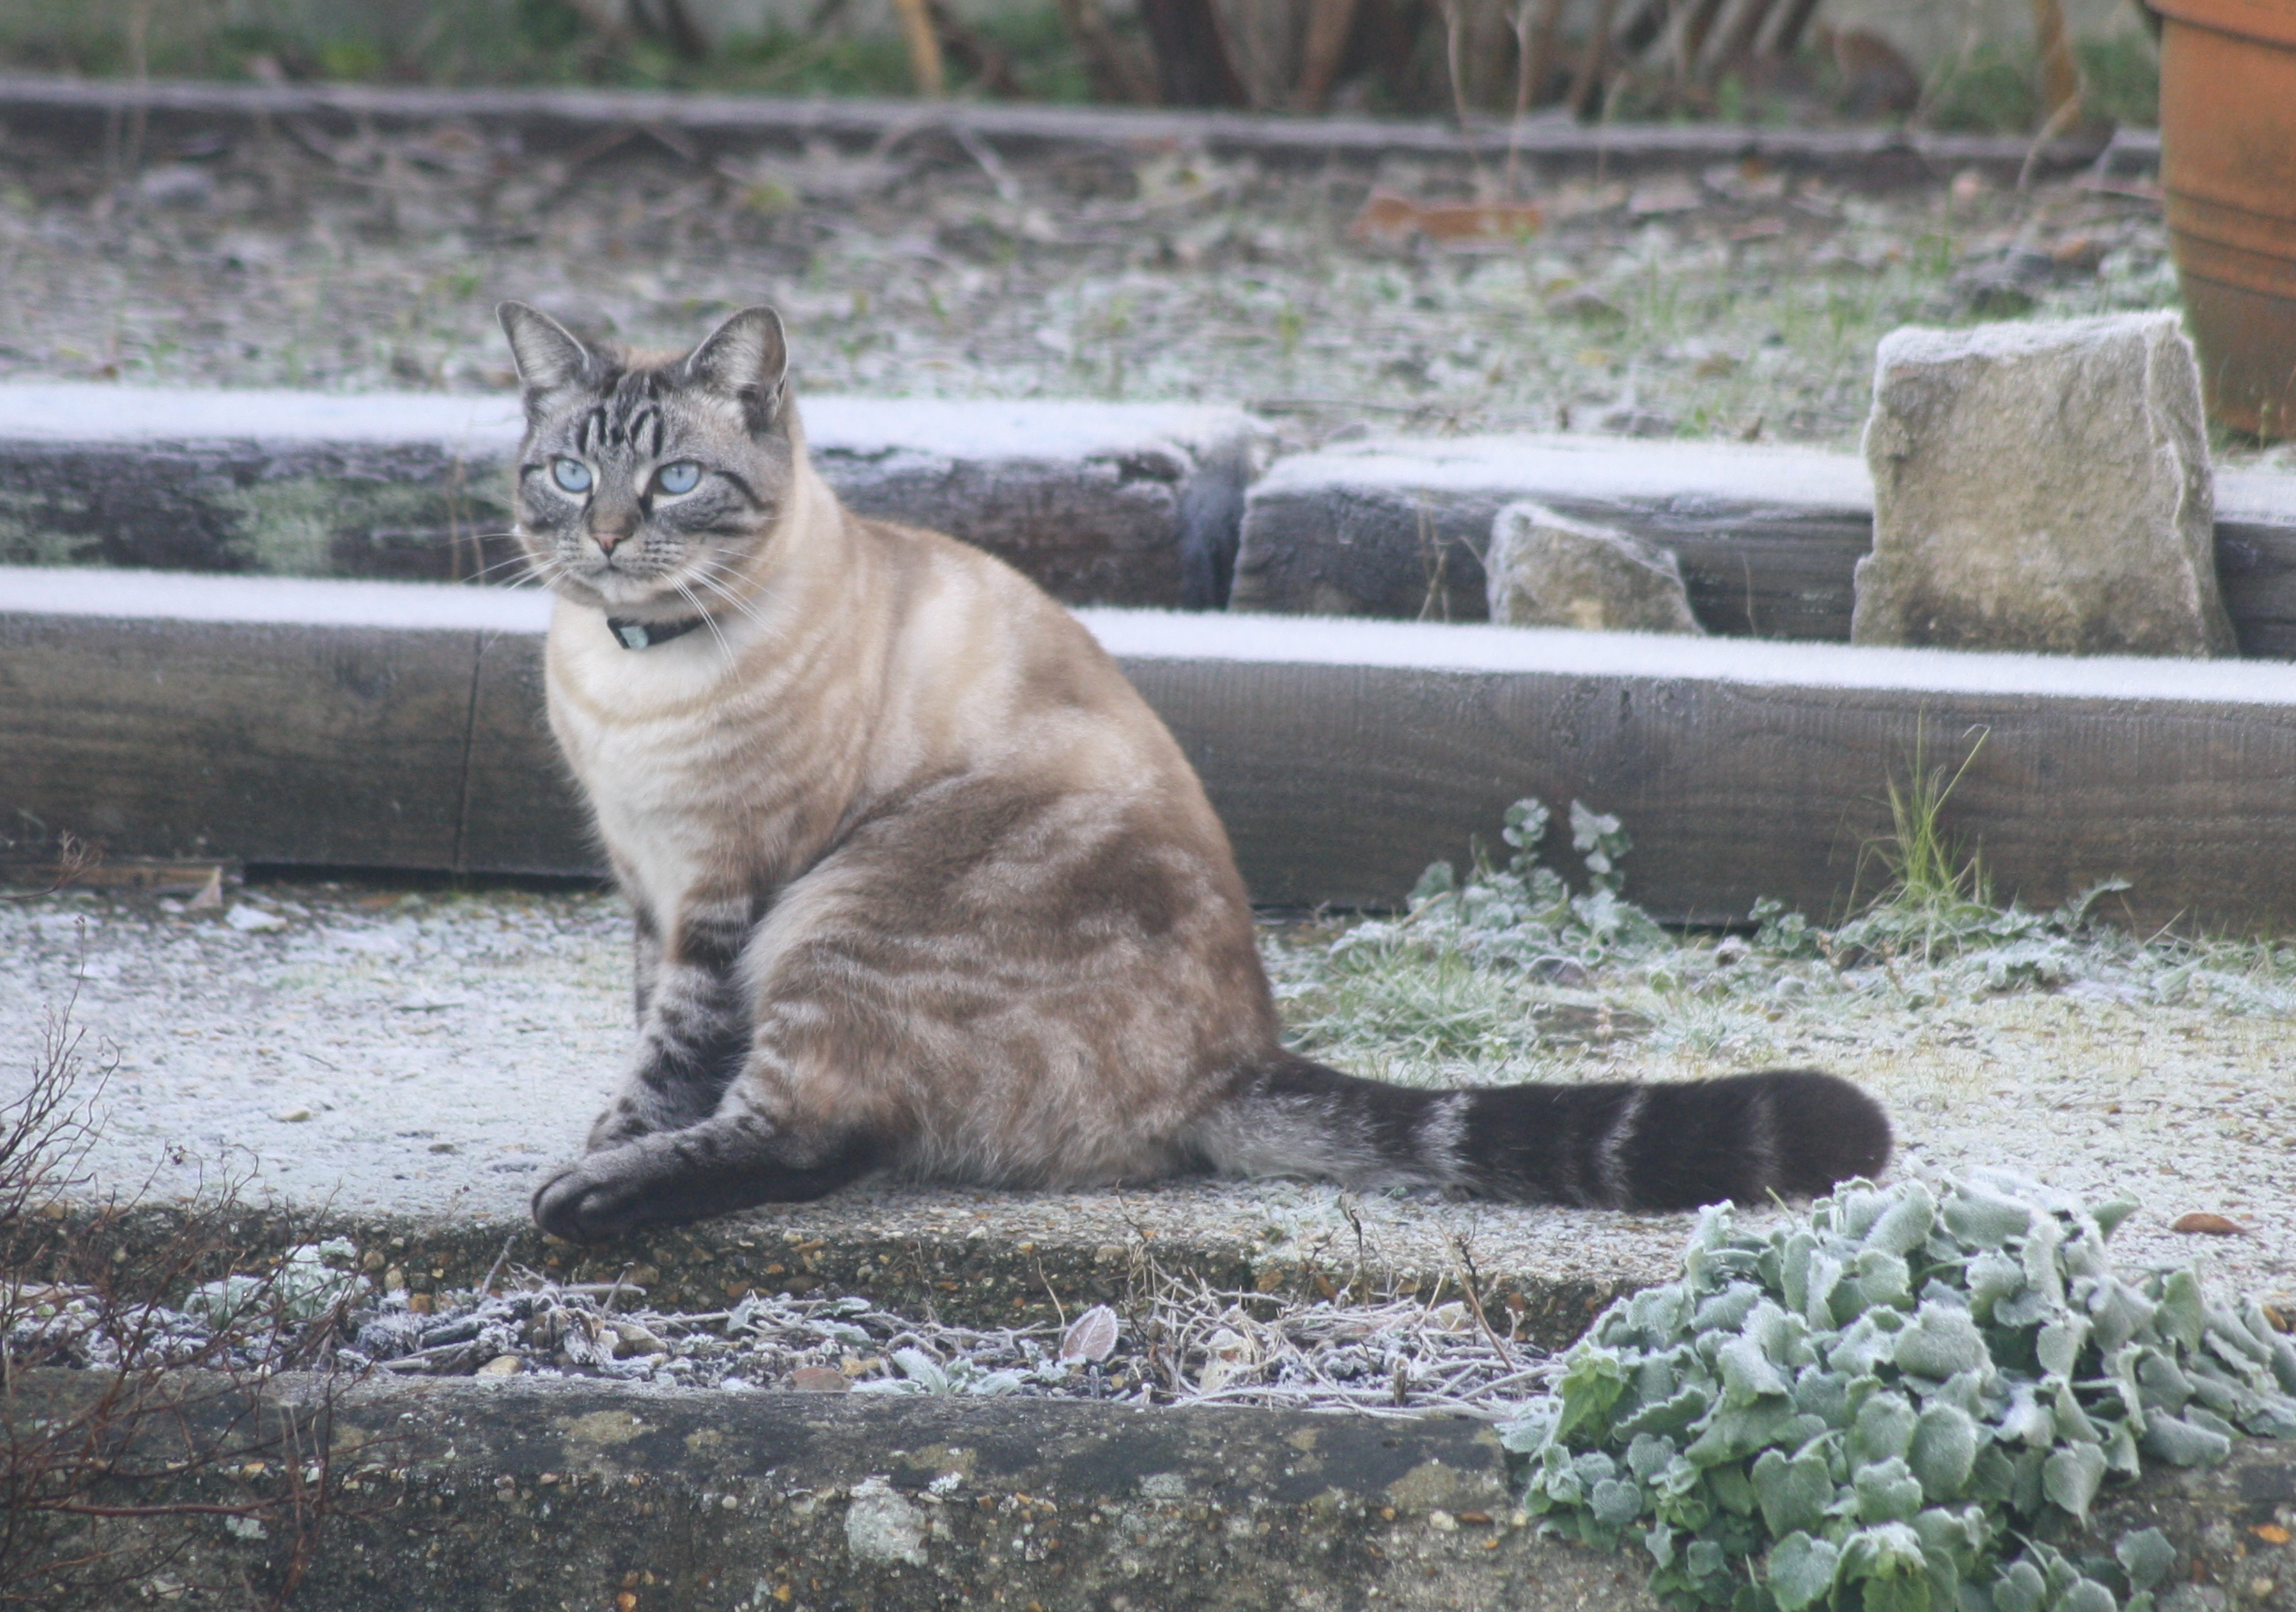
(74, 113)
(1768, 537)
(379, 724)
(1099, 504)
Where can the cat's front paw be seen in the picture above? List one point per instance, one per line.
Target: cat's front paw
(583, 1204)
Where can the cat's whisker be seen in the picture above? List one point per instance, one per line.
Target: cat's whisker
(503, 564)
(708, 620)
(730, 597)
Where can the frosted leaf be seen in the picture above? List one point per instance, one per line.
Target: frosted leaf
(1091, 1335)
(1793, 1495)
(1615, 1502)
(1942, 1341)
(923, 1369)
(2182, 1444)
(1801, 1570)
(2058, 1347)
(1905, 1225)
(1944, 1451)
(2146, 1557)
(2071, 1476)
(1886, 1492)
(1985, 1220)
(2019, 1589)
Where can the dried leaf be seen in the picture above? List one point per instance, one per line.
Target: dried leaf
(1092, 1336)
(1386, 214)
(2200, 1223)
(820, 1379)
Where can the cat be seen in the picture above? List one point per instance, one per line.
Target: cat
(923, 887)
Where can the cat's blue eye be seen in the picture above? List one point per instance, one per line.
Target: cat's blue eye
(683, 477)
(570, 474)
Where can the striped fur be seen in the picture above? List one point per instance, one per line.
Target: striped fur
(923, 886)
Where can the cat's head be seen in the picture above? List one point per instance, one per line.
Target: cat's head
(644, 486)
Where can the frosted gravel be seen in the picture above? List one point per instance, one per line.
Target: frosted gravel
(430, 1054)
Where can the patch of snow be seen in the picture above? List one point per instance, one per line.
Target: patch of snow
(1559, 465)
(490, 426)
(1433, 646)
(183, 596)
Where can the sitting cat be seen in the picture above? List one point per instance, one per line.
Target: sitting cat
(923, 887)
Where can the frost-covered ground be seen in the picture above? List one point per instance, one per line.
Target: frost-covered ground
(1727, 303)
(429, 1053)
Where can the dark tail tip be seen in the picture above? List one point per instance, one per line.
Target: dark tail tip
(1830, 1131)
(1794, 1132)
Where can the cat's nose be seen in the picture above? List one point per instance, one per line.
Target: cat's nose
(608, 542)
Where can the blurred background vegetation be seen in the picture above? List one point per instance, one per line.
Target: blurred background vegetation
(1990, 66)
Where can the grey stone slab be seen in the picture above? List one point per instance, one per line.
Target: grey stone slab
(2042, 486)
(533, 1495)
(1101, 504)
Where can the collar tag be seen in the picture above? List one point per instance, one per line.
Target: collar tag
(644, 636)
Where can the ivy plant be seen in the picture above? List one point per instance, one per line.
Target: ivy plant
(1894, 1403)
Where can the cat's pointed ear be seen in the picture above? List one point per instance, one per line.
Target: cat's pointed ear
(746, 359)
(548, 355)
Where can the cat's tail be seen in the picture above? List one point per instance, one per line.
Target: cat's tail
(1610, 1145)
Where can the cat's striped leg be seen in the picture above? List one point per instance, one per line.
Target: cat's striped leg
(691, 1022)
(730, 1161)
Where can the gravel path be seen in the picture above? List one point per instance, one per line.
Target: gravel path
(427, 1054)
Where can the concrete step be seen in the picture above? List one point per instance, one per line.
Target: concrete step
(397, 725)
(535, 1495)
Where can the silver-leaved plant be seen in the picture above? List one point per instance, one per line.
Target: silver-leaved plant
(1889, 1405)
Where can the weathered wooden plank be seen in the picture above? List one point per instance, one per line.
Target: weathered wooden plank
(328, 722)
(81, 111)
(1769, 538)
(1344, 757)
(1099, 504)
(242, 740)
(2256, 560)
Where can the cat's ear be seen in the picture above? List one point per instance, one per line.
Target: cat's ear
(746, 359)
(548, 357)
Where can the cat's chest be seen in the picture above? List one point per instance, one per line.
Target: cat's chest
(693, 785)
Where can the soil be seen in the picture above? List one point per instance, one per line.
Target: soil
(1729, 302)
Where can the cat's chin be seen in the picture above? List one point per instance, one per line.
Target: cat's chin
(620, 594)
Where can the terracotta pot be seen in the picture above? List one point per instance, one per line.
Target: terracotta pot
(2228, 164)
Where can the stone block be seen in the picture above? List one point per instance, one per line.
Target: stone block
(2042, 487)
(1548, 570)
